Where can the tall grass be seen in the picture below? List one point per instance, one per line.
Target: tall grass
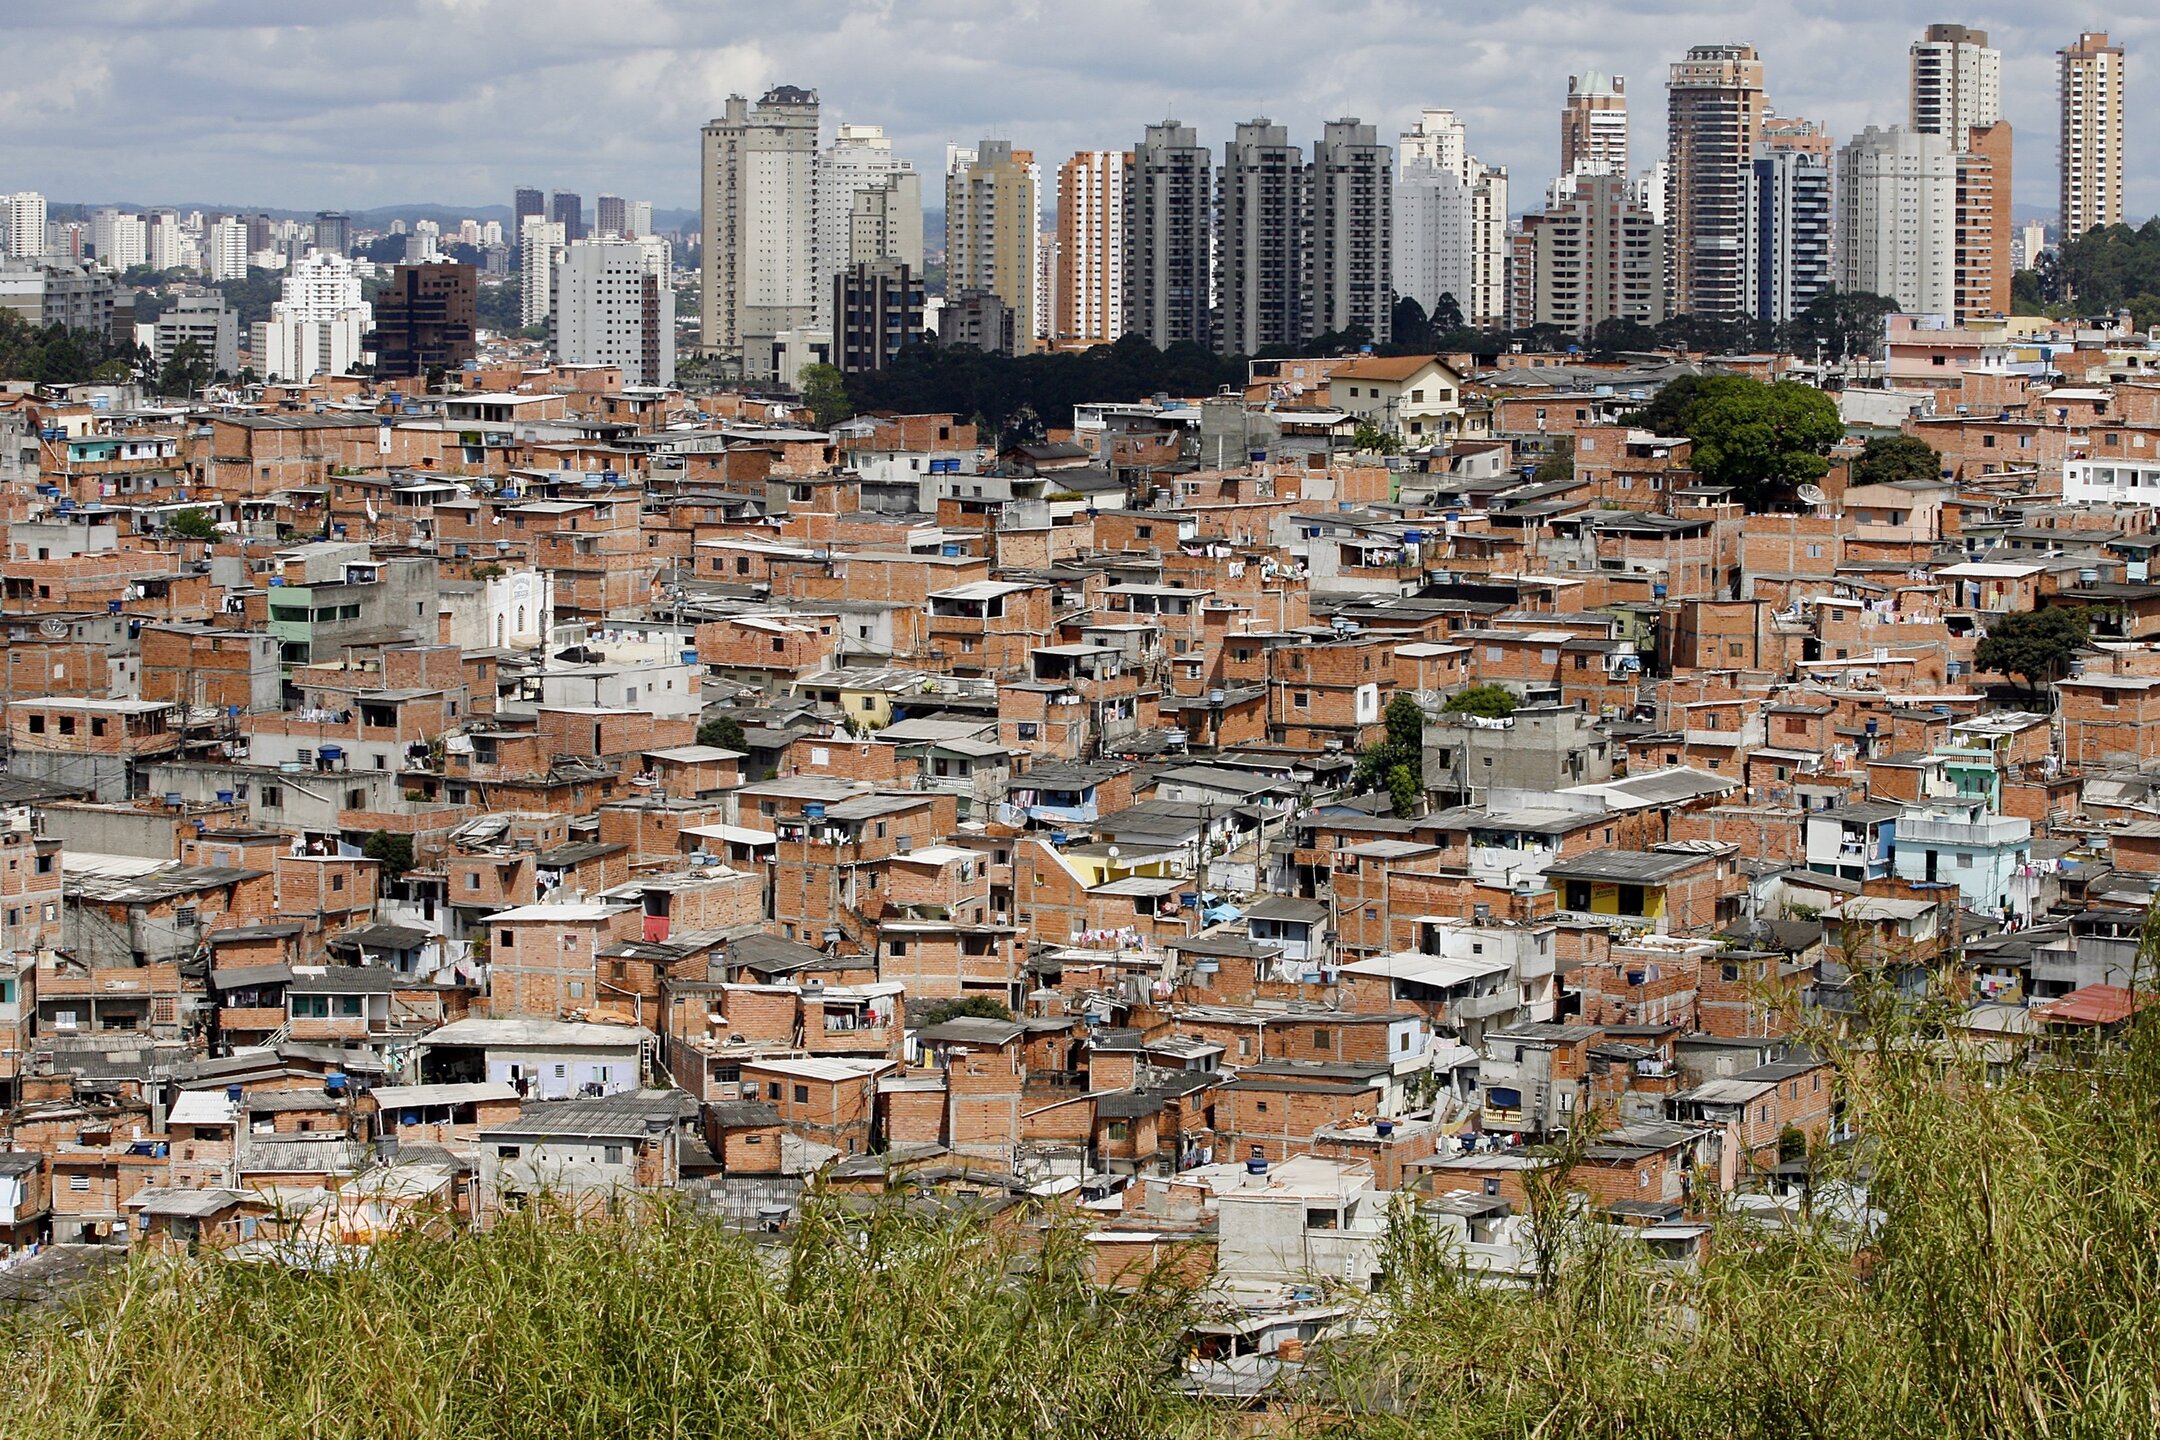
(891, 1327)
(2010, 1288)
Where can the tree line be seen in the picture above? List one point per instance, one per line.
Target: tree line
(2110, 267)
(1017, 397)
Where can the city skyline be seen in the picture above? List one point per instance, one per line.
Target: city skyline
(274, 111)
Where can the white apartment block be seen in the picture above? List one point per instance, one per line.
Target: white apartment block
(541, 247)
(121, 241)
(1439, 142)
(760, 225)
(319, 326)
(1956, 84)
(25, 225)
(611, 309)
(1897, 218)
(226, 249)
(861, 159)
(1433, 254)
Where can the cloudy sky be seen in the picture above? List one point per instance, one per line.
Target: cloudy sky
(228, 102)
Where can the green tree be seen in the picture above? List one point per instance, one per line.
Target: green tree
(723, 732)
(824, 390)
(1370, 437)
(1610, 337)
(1493, 702)
(1889, 458)
(1447, 316)
(185, 372)
(395, 852)
(193, 524)
(1558, 466)
(1760, 439)
(1396, 762)
(1841, 324)
(2035, 645)
(967, 1007)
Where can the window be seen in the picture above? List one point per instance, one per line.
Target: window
(1300, 699)
(802, 1094)
(611, 1154)
(78, 1183)
(506, 1152)
(184, 915)
(506, 938)
(1120, 1130)
(37, 724)
(1321, 1038)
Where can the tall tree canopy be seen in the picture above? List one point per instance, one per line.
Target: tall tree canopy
(1761, 439)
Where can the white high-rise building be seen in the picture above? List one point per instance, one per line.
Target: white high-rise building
(322, 285)
(1432, 233)
(120, 240)
(225, 251)
(1650, 187)
(491, 232)
(760, 225)
(640, 218)
(167, 245)
(1956, 84)
(540, 246)
(1897, 218)
(319, 326)
(25, 225)
(611, 309)
(659, 255)
(1439, 143)
(861, 158)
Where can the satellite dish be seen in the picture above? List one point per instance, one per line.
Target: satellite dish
(54, 629)
(1813, 495)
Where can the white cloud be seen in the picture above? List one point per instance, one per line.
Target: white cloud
(456, 101)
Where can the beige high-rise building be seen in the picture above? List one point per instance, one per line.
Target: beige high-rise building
(2089, 87)
(1714, 105)
(1596, 256)
(1594, 126)
(1957, 94)
(1956, 83)
(993, 198)
(1088, 302)
(760, 224)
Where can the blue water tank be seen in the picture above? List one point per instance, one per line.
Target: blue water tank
(331, 752)
(814, 810)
